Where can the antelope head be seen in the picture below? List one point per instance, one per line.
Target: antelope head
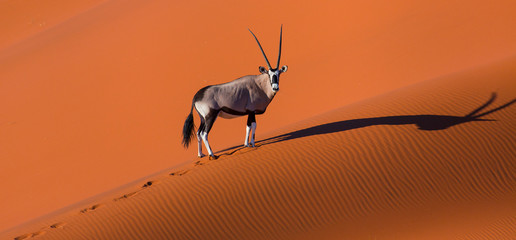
(273, 73)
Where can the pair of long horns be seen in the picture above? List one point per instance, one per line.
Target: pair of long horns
(259, 45)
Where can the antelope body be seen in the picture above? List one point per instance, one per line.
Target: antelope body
(245, 96)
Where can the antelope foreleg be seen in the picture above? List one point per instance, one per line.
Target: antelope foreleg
(253, 131)
(251, 124)
(247, 130)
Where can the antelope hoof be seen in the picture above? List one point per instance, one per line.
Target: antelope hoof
(213, 157)
(201, 156)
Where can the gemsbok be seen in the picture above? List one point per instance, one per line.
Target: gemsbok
(248, 95)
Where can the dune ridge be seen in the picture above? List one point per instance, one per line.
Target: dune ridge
(96, 96)
(414, 163)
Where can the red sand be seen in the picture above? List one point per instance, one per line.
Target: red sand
(98, 97)
(405, 165)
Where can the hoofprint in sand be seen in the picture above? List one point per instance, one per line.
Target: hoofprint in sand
(92, 91)
(435, 160)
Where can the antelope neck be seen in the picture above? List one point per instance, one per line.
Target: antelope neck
(265, 84)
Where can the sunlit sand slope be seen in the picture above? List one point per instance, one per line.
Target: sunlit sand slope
(94, 93)
(435, 160)
(25, 19)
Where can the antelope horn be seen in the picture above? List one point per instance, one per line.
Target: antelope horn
(259, 45)
(279, 54)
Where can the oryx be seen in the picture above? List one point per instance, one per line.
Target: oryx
(248, 95)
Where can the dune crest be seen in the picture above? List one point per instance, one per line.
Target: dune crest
(93, 93)
(431, 161)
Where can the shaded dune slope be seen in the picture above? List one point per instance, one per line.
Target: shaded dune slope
(435, 160)
(93, 93)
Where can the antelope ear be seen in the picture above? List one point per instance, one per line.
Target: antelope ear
(284, 68)
(262, 69)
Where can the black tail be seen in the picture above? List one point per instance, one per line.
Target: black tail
(188, 129)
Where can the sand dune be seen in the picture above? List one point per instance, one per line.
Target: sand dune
(93, 93)
(435, 160)
(25, 19)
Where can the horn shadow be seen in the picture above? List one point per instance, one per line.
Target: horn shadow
(422, 122)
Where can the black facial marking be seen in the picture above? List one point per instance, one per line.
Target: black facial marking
(274, 79)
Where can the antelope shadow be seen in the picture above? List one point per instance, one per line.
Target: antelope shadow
(422, 122)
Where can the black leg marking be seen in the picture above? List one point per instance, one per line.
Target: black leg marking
(210, 119)
(253, 134)
(201, 127)
(250, 119)
(199, 137)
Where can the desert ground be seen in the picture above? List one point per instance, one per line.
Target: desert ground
(395, 120)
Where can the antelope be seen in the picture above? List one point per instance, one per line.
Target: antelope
(248, 95)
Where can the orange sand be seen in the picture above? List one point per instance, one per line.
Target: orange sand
(97, 96)
(405, 165)
(22, 20)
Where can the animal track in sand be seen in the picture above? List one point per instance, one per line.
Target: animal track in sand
(41, 232)
(233, 151)
(239, 150)
(149, 183)
(126, 196)
(24, 236)
(30, 235)
(92, 208)
(179, 173)
(58, 225)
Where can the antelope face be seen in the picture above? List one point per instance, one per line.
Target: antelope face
(274, 74)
